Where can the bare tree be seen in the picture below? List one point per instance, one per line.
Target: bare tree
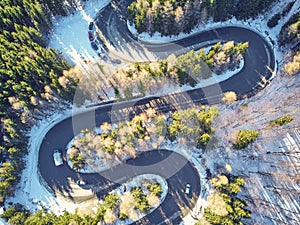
(229, 97)
(109, 216)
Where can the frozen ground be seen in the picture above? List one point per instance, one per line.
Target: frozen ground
(31, 192)
(259, 24)
(280, 196)
(270, 165)
(70, 34)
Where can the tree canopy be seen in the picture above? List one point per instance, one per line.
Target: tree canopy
(170, 17)
(29, 77)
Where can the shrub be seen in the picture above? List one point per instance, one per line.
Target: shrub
(203, 140)
(155, 188)
(217, 204)
(293, 67)
(229, 97)
(111, 201)
(77, 158)
(274, 20)
(127, 206)
(281, 121)
(123, 216)
(245, 137)
(152, 199)
(224, 207)
(109, 216)
(219, 181)
(141, 200)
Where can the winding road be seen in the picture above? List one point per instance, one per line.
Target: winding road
(175, 168)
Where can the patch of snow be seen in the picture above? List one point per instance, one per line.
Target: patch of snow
(258, 24)
(30, 185)
(3, 222)
(70, 34)
(215, 78)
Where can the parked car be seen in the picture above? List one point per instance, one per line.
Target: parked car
(80, 182)
(187, 188)
(57, 157)
(91, 25)
(91, 37)
(94, 46)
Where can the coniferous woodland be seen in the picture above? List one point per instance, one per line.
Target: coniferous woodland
(170, 17)
(30, 77)
(290, 35)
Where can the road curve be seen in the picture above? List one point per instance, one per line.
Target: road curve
(170, 165)
(259, 56)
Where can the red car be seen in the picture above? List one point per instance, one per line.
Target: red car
(91, 38)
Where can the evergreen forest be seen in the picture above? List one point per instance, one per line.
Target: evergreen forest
(30, 77)
(170, 17)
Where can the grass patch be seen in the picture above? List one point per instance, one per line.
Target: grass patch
(245, 137)
(281, 121)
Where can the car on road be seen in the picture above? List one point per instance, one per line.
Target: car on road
(94, 46)
(57, 157)
(187, 188)
(91, 37)
(80, 182)
(91, 25)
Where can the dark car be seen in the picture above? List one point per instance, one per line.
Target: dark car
(91, 38)
(91, 25)
(94, 46)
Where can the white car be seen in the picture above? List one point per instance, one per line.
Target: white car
(57, 157)
(187, 188)
(80, 182)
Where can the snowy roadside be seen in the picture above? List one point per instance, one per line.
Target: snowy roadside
(258, 24)
(70, 34)
(31, 192)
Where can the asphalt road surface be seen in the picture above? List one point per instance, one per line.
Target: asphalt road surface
(259, 58)
(177, 170)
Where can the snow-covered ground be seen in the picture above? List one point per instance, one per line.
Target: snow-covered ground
(70, 34)
(214, 79)
(31, 192)
(269, 166)
(281, 96)
(258, 24)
